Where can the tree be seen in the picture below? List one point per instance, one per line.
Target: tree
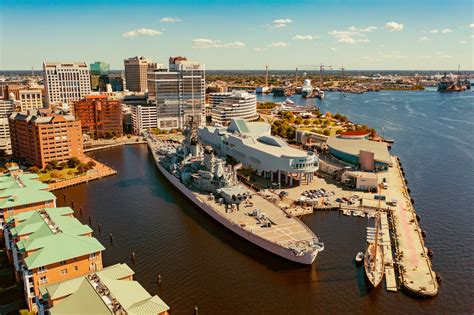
(54, 163)
(48, 167)
(91, 164)
(326, 132)
(298, 120)
(306, 122)
(33, 169)
(55, 174)
(73, 162)
(82, 169)
(62, 165)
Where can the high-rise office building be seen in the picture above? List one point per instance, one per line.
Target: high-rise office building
(99, 75)
(100, 117)
(178, 92)
(66, 81)
(136, 73)
(40, 136)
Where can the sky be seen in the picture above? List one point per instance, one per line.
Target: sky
(356, 35)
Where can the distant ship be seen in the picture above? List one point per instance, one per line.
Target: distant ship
(448, 84)
(212, 185)
(307, 89)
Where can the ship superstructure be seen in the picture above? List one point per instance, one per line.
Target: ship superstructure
(212, 185)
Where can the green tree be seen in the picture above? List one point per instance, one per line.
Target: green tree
(33, 169)
(73, 162)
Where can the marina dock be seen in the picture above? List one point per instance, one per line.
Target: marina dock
(390, 280)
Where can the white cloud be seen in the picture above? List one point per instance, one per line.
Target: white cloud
(368, 29)
(462, 42)
(279, 44)
(170, 20)
(352, 35)
(348, 37)
(305, 37)
(446, 30)
(333, 49)
(212, 43)
(442, 55)
(141, 32)
(471, 25)
(423, 38)
(259, 49)
(281, 22)
(426, 57)
(434, 31)
(394, 26)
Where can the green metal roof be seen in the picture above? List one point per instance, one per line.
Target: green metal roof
(23, 196)
(57, 247)
(84, 301)
(32, 223)
(68, 287)
(21, 180)
(130, 294)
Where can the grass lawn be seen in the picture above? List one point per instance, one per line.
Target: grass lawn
(63, 174)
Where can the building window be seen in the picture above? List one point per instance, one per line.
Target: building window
(76, 268)
(41, 269)
(43, 279)
(92, 256)
(92, 266)
(63, 272)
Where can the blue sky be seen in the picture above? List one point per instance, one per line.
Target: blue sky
(419, 35)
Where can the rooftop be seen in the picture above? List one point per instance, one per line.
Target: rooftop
(68, 287)
(57, 247)
(356, 133)
(106, 295)
(46, 222)
(14, 197)
(353, 146)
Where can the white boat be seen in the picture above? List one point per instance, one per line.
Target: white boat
(359, 257)
(289, 102)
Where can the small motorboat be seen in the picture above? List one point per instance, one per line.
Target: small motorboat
(359, 257)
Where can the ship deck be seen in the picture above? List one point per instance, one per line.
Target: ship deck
(284, 231)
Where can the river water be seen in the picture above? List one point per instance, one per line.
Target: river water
(203, 264)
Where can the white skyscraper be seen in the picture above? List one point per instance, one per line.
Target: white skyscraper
(178, 92)
(66, 81)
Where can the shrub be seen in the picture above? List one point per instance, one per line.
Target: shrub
(33, 169)
(73, 162)
(91, 164)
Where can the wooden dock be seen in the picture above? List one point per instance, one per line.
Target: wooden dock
(390, 279)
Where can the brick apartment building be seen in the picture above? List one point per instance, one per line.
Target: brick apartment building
(99, 116)
(40, 136)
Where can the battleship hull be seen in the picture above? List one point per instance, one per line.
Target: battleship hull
(306, 259)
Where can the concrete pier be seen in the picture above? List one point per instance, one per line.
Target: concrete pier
(416, 273)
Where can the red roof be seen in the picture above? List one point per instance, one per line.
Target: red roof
(356, 133)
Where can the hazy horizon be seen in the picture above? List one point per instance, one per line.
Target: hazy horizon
(368, 35)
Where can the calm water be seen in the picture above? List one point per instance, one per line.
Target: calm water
(204, 264)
